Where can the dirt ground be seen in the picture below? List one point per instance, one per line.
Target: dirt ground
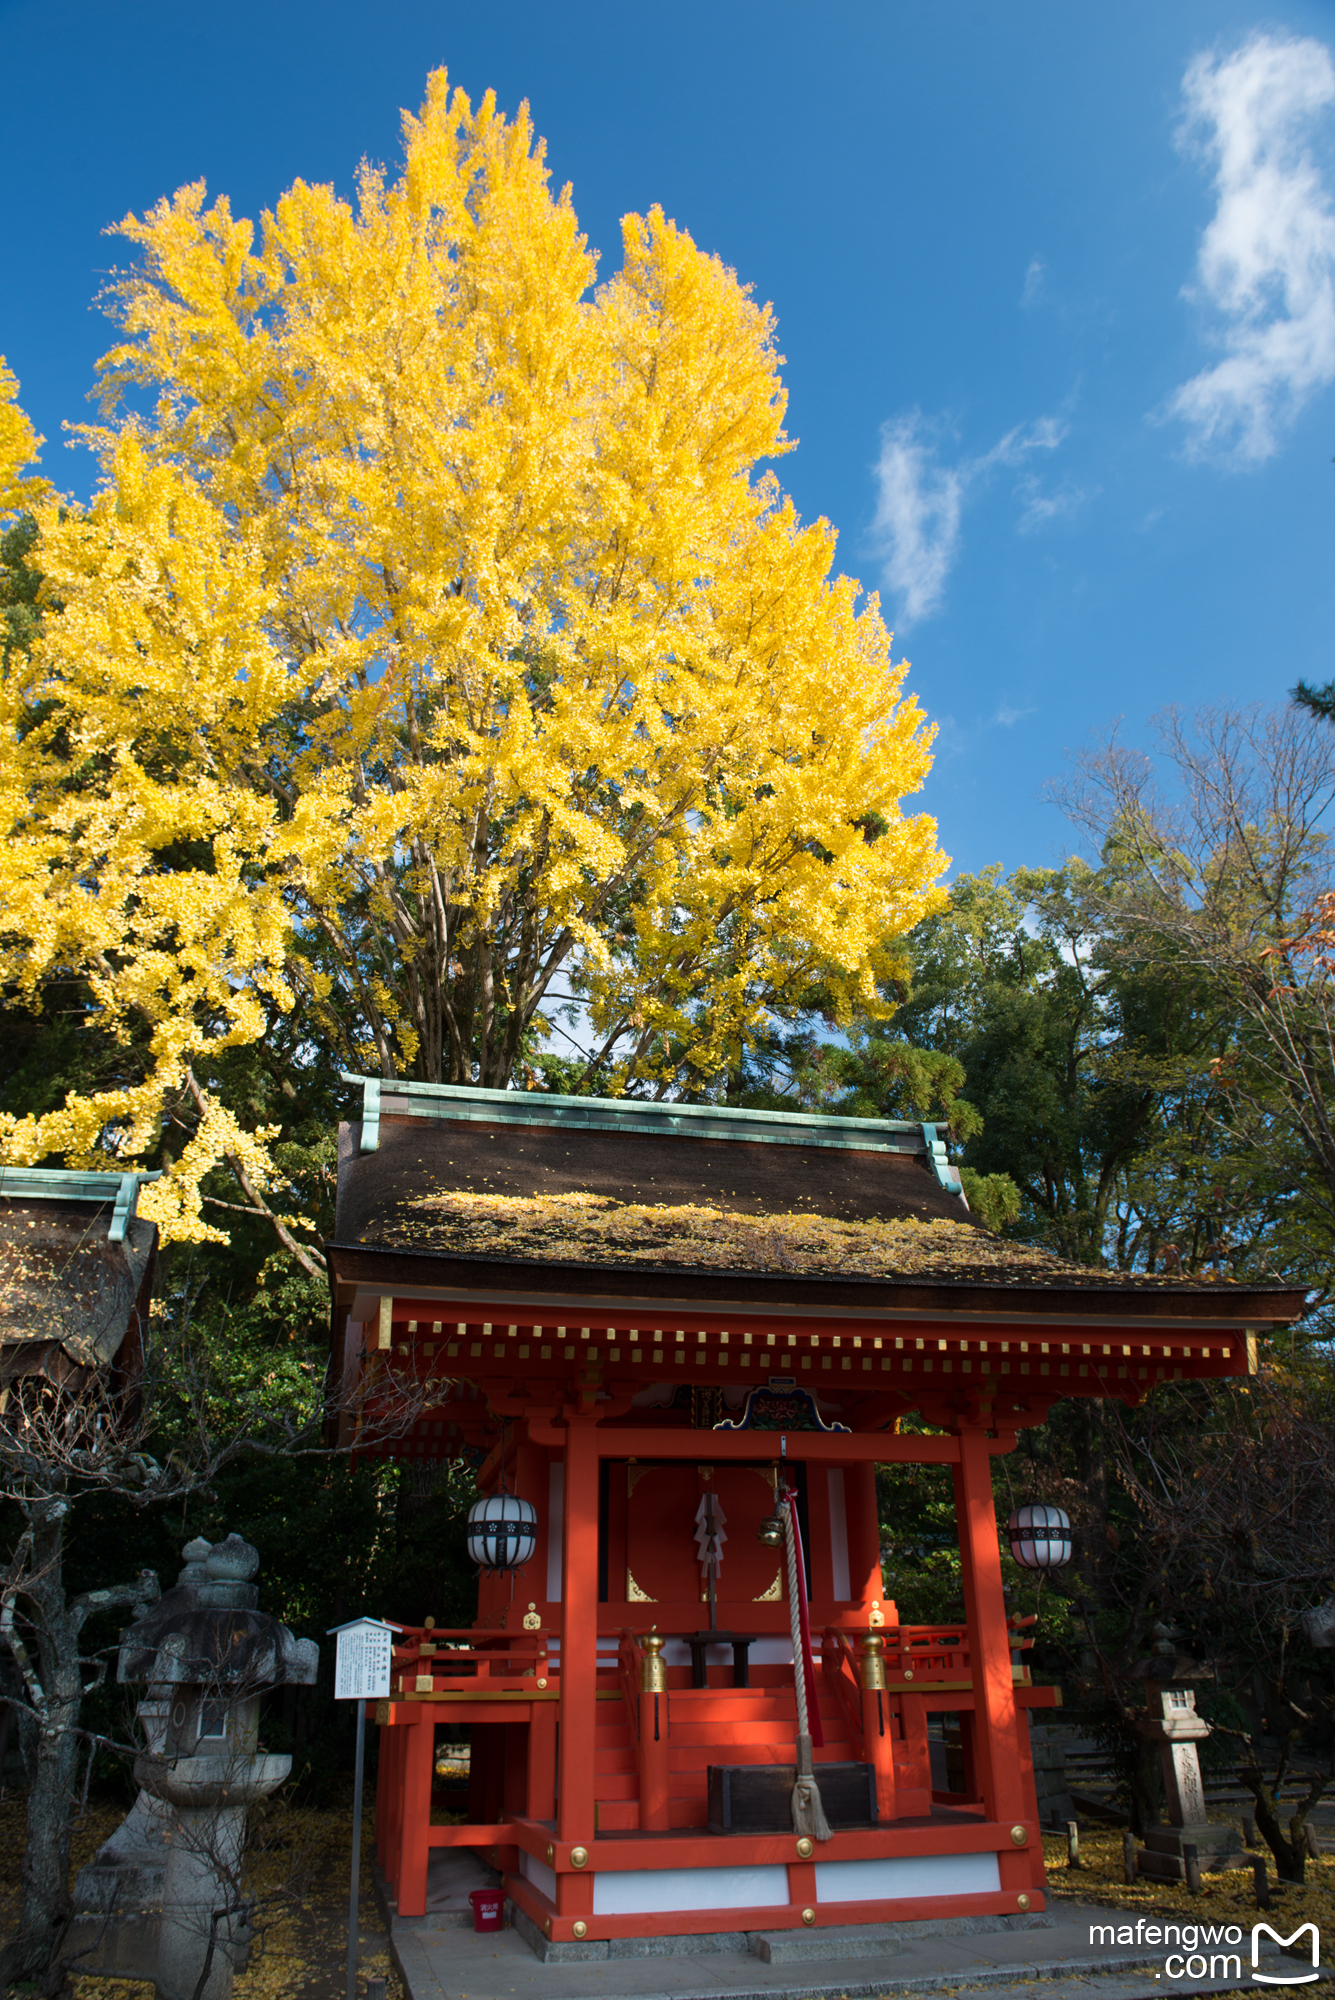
(297, 1866)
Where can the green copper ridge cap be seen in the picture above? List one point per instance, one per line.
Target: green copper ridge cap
(62, 1184)
(466, 1103)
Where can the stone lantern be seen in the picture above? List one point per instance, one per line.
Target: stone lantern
(208, 1655)
(1172, 1723)
(126, 1875)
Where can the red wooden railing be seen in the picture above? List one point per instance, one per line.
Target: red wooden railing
(926, 1672)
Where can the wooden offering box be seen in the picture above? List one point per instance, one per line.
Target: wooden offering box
(758, 1798)
(640, 1318)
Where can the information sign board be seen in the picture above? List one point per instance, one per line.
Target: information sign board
(361, 1667)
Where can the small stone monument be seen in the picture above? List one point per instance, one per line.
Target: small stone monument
(1172, 1722)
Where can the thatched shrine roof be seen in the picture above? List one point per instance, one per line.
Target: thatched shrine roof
(614, 1198)
(76, 1271)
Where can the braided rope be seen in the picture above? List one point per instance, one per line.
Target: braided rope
(808, 1811)
(795, 1624)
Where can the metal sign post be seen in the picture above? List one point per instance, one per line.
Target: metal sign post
(361, 1674)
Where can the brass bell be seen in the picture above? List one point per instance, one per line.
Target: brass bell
(772, 1530)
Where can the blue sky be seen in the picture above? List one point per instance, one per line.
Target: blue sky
(1056, 287)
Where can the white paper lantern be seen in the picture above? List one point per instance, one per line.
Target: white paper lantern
(1040, 1537)
(502, 1532)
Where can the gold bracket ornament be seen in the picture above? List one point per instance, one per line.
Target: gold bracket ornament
(1022, 1902)
(876, 1616)
(579, 1928)
(1020, 1835)
(805, 1849)
(808, 1916)
(532, 1622)
(579, 1857)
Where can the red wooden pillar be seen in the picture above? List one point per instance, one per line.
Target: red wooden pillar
(579, 1635)
(394, 1741)
(864, 1534)
(655, 1764)
(820, 1562)
(542, 1761)
(801, 1884)
(419, 1749)
(997, 1752)
(386, 1796)
(913, 1759)
(878, 1724)
(515, 1790)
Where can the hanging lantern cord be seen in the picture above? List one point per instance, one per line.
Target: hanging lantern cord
(808, 1810)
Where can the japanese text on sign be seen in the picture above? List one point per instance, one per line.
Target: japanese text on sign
(361, 1669)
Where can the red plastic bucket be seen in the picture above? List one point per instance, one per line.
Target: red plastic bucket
(486, 1908)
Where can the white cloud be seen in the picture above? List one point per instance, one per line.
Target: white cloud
(1267, 258)
(1033, 282)
(916, 531)
(917, 524)
(1008, 717)
(1040, 507)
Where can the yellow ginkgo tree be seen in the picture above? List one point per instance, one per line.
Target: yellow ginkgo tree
(437, 641)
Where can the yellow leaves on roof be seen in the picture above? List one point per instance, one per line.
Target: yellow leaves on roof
(589, 1228)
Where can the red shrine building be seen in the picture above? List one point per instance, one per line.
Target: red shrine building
(649, 1323)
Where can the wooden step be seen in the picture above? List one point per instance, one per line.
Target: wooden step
(728, 1708)
(696, 1758)
(723, 1735)
(616, 1785)
(750, 1702)
(617, 1815)
(778, 1721)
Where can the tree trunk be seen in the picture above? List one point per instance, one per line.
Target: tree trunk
(1289, 1850)
(55, 1688)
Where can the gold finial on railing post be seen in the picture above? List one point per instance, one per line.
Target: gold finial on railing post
(653, 1670)
(872, 1648)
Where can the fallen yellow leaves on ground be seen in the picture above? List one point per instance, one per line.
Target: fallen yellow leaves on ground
(1227, 1897)
(297, 1867)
